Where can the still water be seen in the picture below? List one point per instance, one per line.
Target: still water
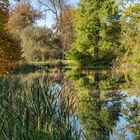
(60, 103)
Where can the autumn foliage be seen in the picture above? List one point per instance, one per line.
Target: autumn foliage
(10, 52)
(65, 26)
(22, 15)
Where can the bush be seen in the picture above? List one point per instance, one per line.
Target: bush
(40, 44)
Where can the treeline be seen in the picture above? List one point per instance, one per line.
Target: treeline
(94, 33)
(106, 33)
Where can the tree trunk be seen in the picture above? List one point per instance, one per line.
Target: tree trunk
(97, 38)
(96, 48)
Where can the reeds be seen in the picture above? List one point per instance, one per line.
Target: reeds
(34, 111)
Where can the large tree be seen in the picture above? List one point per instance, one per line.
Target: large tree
(63, 15)
(65, 26)
(97, 24)
(10, 52)
(21, 16)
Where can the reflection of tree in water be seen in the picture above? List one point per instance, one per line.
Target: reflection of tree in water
(95, 94)
(131, 111)
(131, 76)
(98, 110)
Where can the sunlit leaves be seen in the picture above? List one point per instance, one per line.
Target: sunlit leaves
(97, 31)
(131, 34)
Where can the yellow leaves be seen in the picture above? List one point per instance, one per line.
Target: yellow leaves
(132, 10)
(128, 11)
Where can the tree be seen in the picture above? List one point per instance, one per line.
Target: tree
(94, 21)
(21, 16)
(40, 44)
(98, 109)
(10, 51)
(130, 35)
(58, 8)
(65, 27)
(131, 112)
(54, 6)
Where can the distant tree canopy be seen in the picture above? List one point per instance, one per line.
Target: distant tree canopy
(37, 43)
(20, 16)
(40, 44)
(10, 51)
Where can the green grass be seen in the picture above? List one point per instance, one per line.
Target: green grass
(68, 63)
(57, 63)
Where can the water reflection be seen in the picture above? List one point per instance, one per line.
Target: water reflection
(33, 107)
(57, 104)
(102, 105)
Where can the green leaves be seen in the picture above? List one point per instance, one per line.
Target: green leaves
(40, 44)
(97, 31)
(130, 34)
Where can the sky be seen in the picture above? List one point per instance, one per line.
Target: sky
(48, 19)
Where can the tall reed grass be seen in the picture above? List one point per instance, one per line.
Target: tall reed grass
(34, 111)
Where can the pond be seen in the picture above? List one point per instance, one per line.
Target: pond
(70, 104)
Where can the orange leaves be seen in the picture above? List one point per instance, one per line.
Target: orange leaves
(67, 16)
(65, 26)
(22, 15)
(10, 52)
(68, 12)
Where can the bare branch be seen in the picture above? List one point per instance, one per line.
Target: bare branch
(48, 7)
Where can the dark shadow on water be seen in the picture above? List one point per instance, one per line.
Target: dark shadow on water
(25, 69)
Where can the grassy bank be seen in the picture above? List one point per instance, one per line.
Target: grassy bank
(26, 67)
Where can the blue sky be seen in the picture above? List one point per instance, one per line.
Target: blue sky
(48, 20)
